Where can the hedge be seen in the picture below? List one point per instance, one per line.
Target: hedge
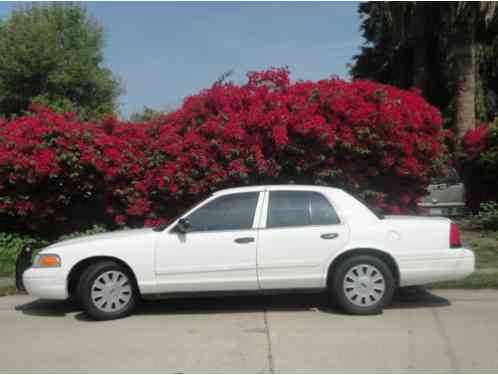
(370, 139)
(479, 163)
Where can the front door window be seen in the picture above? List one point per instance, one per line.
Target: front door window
(228, 212)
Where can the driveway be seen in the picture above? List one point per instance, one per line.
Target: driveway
(440, 331)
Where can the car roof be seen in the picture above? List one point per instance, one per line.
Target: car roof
(247, 189)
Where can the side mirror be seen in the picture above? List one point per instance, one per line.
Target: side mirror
(183, 225)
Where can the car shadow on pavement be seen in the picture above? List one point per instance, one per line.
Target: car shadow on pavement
(416, 297)
(408, 298)
(41, 307)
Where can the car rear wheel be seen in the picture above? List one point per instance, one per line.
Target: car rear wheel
(106, 291)
(362, 285)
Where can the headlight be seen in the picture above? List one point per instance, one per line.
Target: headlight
(47, 261)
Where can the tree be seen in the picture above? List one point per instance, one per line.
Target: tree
(147, 114)
(466, 24)
(53, 54)
(402, 48)
(427, 45)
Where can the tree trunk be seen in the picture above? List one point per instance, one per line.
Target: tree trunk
(463, 60)
(421, 45)
(420, 67)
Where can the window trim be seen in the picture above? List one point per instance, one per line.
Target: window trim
(266, 208)
(212, 198)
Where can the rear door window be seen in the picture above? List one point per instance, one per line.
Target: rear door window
(299, 208)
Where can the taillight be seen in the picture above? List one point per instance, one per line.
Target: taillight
(455, 236)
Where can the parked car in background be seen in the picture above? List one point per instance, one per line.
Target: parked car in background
(259, 239)
(446, 196)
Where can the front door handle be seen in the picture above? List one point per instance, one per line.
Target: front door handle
(244, 239)
(329, 236)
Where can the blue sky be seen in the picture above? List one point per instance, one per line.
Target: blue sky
(166, 51)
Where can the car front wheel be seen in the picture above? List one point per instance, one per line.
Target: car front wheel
(362, 285)
(106, 291)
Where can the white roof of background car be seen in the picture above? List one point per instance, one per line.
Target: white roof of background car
(246, 189)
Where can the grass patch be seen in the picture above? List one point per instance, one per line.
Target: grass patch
(485, 246)
(475, 281)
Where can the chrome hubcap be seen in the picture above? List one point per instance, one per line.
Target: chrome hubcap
(111, 291)
(364, 285)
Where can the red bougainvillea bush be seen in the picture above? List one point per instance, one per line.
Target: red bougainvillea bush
(479, 161)
(370, 139)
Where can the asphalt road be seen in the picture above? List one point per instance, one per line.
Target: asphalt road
(440, 331)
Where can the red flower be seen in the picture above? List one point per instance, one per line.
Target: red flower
(360, 135)
(120, 219)
(280, 135)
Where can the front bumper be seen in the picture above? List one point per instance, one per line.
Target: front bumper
(44, 283)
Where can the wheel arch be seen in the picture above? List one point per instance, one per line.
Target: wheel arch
(78, 268)
(383, 255)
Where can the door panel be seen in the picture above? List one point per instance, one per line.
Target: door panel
(206, 261)
(220, 251)
(296, 256)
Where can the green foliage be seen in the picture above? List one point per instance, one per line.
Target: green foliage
(96, 229)
(478, 161)
(52, 54)
(10, 246)
(147, 114)
(489, 156)
(487, 216)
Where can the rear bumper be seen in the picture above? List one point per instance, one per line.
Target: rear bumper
(466, 264)
(448, 265)
(45, 283)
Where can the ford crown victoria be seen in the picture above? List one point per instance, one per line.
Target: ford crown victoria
(259, 239)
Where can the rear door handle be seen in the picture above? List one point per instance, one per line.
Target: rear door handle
(244, 239)
(329, 236)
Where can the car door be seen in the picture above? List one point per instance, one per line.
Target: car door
(301, 234)
(217, 253)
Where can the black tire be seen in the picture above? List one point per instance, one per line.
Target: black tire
(337, 285)
(98, 271)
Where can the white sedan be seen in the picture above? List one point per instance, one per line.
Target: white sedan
(259, 239)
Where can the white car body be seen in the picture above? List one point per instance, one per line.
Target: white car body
(289, 258)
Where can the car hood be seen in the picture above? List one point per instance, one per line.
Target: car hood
(119, 234)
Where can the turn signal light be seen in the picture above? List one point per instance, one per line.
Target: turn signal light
(47, 260)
